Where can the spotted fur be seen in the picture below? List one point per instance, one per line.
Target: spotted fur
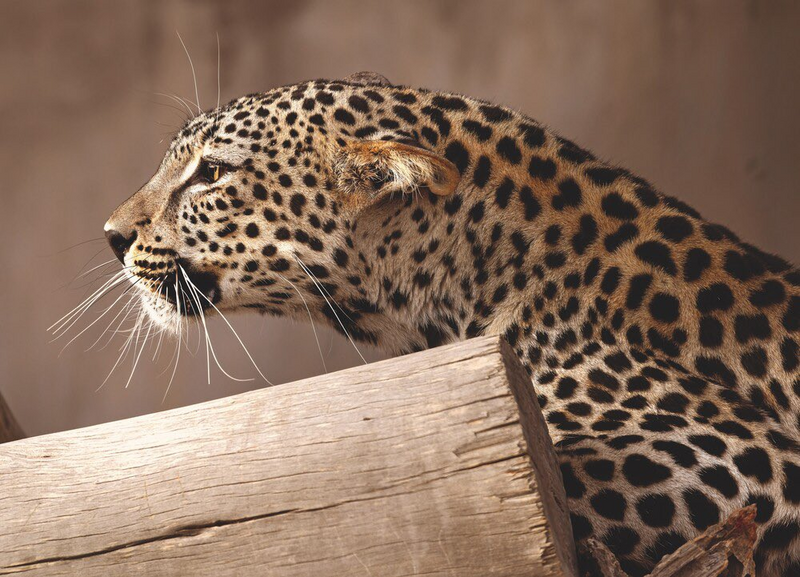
(662, 348)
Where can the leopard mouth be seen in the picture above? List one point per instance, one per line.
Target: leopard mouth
(188, 291)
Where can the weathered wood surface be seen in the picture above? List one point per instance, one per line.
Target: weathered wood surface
(9, 428)
(722, 550)
(433, 464)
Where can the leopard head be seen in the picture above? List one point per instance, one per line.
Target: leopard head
(274, 202)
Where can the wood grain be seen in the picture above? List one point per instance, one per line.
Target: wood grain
(437, 463)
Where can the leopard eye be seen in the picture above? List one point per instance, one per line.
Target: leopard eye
(210, 172)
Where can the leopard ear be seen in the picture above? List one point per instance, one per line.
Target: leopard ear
(367, 169)
(368, 79)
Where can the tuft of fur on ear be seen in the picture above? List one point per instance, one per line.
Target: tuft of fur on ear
(370, 168)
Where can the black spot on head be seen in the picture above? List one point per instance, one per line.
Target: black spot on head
(494, 113)
(776, 537)
(358, 103)
(449, 103)
(344, 116)
(790, 355)
(252, 230)
(673, 403)
(709, 443)
(481, 131)
(404, 113)
(715, 369)
(507, 148)
(483, 171)
(618, 362)
(610, 280)
(754, 362)
(259, 191)
(297, 203)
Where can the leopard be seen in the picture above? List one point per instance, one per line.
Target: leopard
(662, 349)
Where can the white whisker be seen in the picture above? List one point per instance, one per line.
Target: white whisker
(95, 321)
(178, 349)
(209, 345)
(218, 60)
(127, 309)
(141, 350)
(310, 318)
(67, 321)
(194, 76)
(124, 349)
(238, 338)
(179, 100)
(333, 310)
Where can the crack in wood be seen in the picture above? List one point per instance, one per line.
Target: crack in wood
(179, 533)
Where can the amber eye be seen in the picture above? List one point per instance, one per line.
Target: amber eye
(210, 172)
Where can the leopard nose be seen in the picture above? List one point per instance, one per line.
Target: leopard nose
(120, 242)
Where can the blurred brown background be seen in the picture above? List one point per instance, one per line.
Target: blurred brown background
(698, 96)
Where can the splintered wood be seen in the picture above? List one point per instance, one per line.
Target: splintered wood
(723, 550)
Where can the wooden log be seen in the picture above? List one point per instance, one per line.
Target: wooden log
(437, 463)
(9, 428)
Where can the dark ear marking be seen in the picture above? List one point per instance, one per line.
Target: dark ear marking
(368, 79)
